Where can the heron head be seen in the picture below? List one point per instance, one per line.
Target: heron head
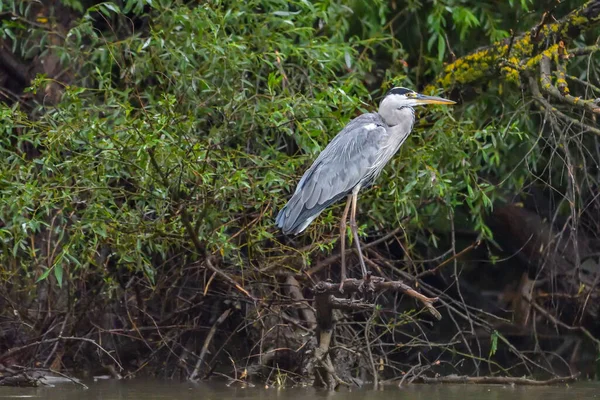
(399, 97)
(398, 100)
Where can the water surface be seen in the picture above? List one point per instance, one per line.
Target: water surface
(162, 390)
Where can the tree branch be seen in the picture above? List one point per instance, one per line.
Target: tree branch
(525, 50)
(549, 88)
(378, 284)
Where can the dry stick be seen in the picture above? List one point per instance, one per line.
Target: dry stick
(404, 288)
(164, 340)
(348, 304)
(498, 380)
(322, 356)
(74, 380)
(211, 333)
(472, 246)
(538, 28)
(545, 70)
(561, 69)
(62, 329)
(293, 288)
(380, 285)
(412, 369)
(550, 108)
(558, 322)
(479, 322)
(225, 342)
(209, 263)
(370, 353)
(132, 322)
(482, 323)
(15, 350)
(475, 360)
(19, 380)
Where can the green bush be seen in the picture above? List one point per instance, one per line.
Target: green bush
(218, 109)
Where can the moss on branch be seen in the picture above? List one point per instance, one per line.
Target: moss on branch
(514, 55)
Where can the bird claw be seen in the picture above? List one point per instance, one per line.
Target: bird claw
(366, 287)
(341, 288)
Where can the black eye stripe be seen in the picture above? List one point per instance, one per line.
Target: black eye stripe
(399, 90)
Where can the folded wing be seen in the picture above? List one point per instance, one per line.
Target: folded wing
(350, 159)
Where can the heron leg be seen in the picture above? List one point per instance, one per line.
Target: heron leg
(343, 242)
(354, 229)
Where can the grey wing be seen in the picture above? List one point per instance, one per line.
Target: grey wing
(350, 159)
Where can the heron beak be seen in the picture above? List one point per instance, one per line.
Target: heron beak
(422, 99)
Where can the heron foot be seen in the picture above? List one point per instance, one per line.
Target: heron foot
(343, 280)
(366, 287)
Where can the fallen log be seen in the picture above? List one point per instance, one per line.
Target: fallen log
(498, 380)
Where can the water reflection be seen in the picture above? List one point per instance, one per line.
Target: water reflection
(161, 390)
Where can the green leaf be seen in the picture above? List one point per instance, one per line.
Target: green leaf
(44, 275)
(493, 342)
(441, 47)
(58, 274)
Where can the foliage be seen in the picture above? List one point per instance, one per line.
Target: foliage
(219, 96)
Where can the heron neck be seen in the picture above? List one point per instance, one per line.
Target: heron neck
(394, 116)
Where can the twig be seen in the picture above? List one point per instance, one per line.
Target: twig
(62, 329)
(586, 84)
(449, 260)
(401, 286)
(453, 58)
(583, 51)
(538, 27)
(370, 353)
(558, 322)
(548, 87)
(15, 350)
(211, 333)
(227, 278)
(349, 304)
(418, 367)
(537, 96)
(510, 44)
(70, 378)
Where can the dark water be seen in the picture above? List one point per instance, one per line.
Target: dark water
(160, 390)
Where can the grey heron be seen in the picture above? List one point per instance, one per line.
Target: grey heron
(352, 161)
